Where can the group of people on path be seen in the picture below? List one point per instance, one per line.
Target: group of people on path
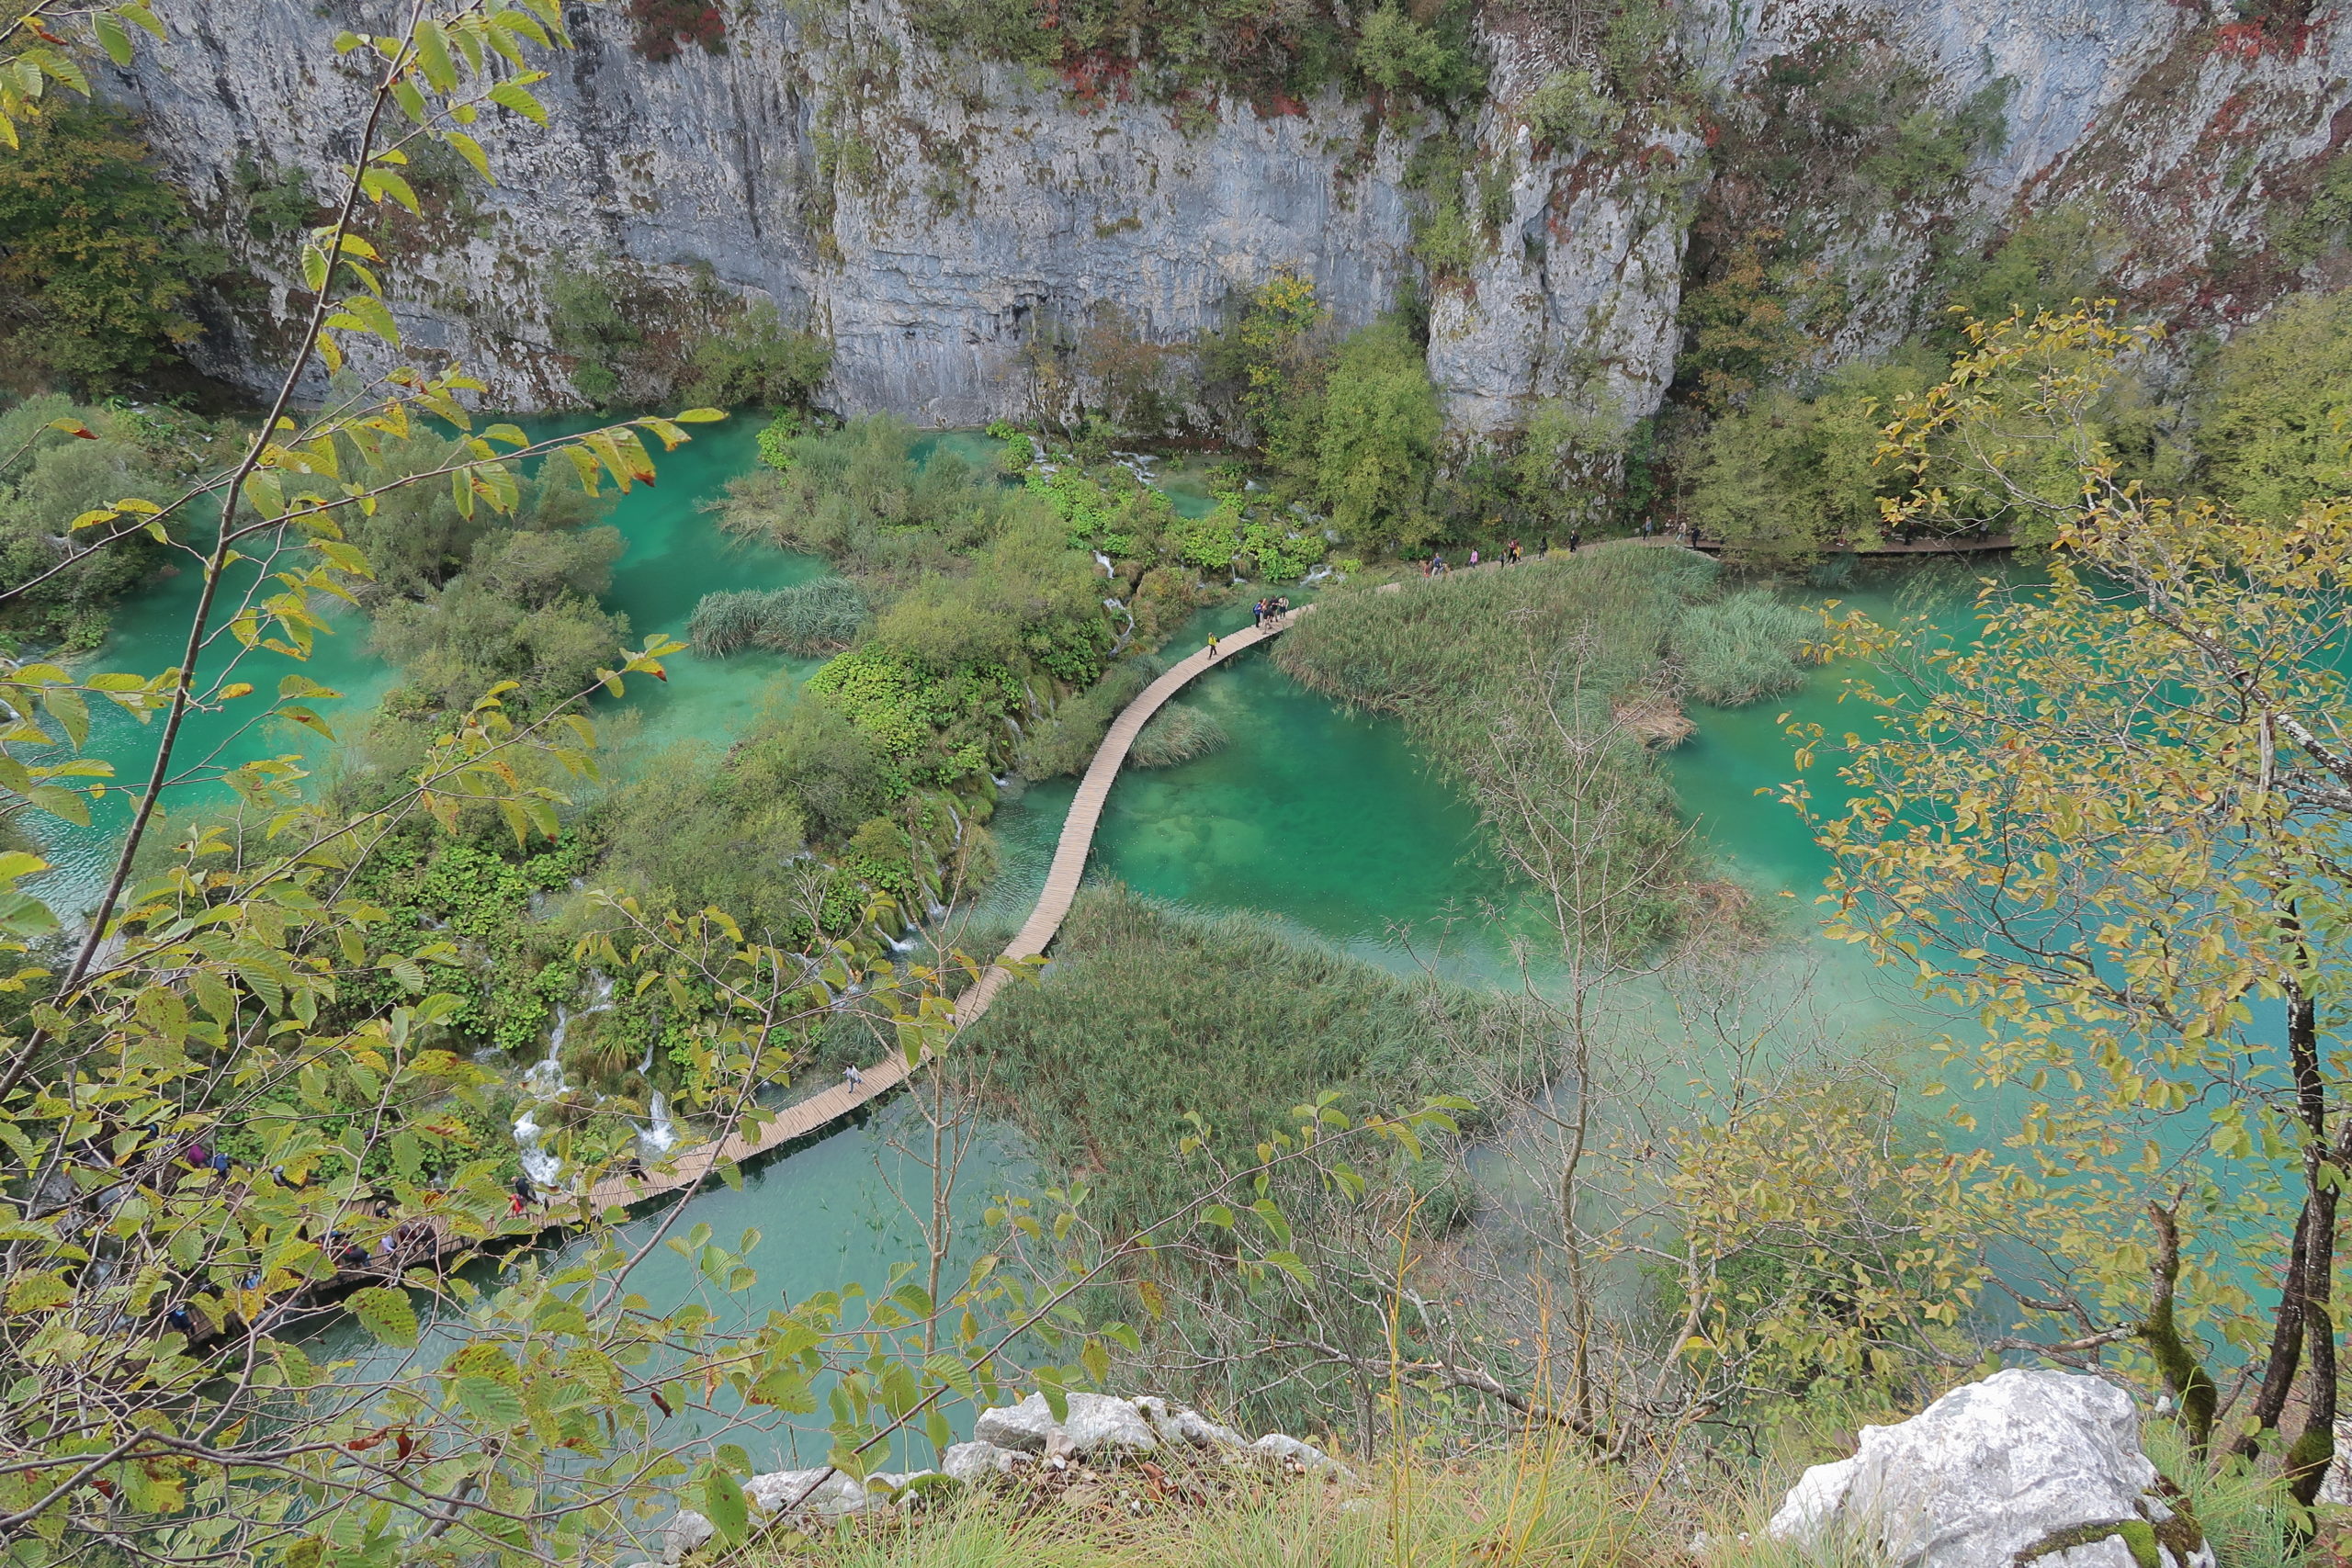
(1266, 610)
(1511, 555)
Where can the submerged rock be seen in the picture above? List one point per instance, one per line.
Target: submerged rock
(2024, 1468)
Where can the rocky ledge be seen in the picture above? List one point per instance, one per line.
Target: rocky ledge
(1099, 1432)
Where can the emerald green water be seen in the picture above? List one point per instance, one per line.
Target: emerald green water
(674, 555)
(1326, 821)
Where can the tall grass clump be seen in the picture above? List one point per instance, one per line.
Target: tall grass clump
(804, 620)
(1148, 1016)
(1742, 647)
(1177, 733)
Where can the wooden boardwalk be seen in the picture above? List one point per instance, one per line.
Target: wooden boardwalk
(689, 1167)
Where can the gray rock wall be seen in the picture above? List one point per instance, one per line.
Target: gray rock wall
(936, 215)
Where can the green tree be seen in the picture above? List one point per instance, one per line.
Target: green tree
(95, 262)
(1378, 444)
(2277, 431)
(754, 360)
(2110, 822)
(1788, 476)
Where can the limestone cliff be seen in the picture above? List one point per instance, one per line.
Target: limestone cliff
(936, 217)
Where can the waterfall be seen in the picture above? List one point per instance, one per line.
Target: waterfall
(543, 1080)
(1104, 562)
(541, 1167)
(1014, 725)
(544, 1077)
(658, 1134)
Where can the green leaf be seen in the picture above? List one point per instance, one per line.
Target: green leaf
(384, 1312)
(112, 37)
(506, 95)
(723, 1506)
(432, 54)
(489, 1401)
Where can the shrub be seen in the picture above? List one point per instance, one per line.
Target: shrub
(807, 618)
(1572, 109)
(664, 30)
(586, 320)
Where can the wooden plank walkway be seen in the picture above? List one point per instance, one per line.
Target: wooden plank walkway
(690, 1167)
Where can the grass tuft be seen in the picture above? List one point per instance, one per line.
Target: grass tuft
(807, 619)
(1177, 733)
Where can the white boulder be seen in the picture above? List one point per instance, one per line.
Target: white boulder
(819, 1493)
(1283, 1451)
(1098, 1425)
(976, 1462)
(1179, 1426)
(2023, 1468)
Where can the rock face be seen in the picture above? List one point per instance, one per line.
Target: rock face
(2023, 1468)
(946, 220)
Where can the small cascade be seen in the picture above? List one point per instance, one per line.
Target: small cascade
(538, 1165)
(543, 1080)
(1318, 574)
(1104, 562)
(1014, 725)
(660, 1134)
(1126, 636)
(544, 1077)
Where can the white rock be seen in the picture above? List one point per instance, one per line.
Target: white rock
(1990, 1471)
(2335, 1486)
(1097, 1425)
(686, 1531)
(1177, 1425)
(976, 1462)
(1275, 1449)
(814, 1492)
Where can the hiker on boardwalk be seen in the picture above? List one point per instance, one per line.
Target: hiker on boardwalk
(1258, 614)
(853, 1078)
(1512, 554)
(1576, 540)
(1281, 609)
(1474, 554)
(1212, 644)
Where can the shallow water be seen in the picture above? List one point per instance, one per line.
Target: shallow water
(1327, 821)
(674, 556)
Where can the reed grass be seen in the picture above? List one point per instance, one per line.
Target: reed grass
(804, 620)
(1548, 658)
(1742, 647)
(1177, 733)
